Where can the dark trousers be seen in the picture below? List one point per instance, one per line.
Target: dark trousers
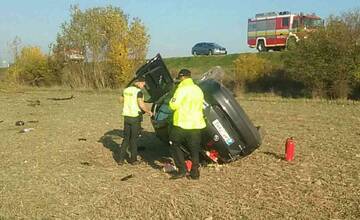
(191, 139)
(131, 133)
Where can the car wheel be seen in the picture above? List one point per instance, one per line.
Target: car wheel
(261, 46)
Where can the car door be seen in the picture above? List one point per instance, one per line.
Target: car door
(197, 48)
(205, 48)
(157, 77)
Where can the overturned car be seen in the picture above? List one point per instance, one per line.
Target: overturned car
(229, 133)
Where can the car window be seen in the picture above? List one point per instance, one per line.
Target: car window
(285, 22)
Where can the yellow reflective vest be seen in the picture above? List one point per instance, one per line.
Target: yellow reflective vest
(131, 107)
(187, 104)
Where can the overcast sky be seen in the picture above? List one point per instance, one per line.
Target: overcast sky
(174, 25)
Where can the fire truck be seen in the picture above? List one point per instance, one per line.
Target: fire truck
(277, 30)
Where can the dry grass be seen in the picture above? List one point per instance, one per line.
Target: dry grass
(48, 173)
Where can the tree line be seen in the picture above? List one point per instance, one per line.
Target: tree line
(98, 48)
(101, 48)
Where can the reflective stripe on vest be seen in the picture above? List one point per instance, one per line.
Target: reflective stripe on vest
(187, 104)
(131, 106)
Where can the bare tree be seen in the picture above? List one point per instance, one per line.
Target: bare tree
(14, 48)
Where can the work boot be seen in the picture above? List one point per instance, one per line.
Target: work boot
(178, 176)
(121, 162)
(195, 174)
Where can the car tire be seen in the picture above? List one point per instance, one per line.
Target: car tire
(261, 46)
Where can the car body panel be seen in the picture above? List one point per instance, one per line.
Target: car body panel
(158, 79)
(224, 108)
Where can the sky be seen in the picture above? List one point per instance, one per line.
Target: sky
(173, 25)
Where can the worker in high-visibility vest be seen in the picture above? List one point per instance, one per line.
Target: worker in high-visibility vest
(188, 122)
(132, 111)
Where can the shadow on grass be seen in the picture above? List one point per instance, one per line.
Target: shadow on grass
(278, 82)
(150, 148)
(276, 156)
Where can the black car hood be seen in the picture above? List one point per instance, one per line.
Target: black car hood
(157, 77)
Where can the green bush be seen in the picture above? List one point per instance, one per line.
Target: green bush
(30, 68)
(249, 68)
(327, 62)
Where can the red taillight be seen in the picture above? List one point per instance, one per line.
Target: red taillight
(213, 155)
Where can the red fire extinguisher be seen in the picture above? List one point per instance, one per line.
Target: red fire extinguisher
(289, 149)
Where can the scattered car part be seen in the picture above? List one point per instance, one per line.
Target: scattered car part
(25, 130)
(127, 177)
(62, 99)
(19, 123)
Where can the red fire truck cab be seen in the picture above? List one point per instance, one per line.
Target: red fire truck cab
(275, 30)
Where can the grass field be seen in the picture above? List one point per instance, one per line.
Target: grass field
(201, 64)
(48, 173)
(3, 71)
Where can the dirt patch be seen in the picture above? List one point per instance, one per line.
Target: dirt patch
(65, 167)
